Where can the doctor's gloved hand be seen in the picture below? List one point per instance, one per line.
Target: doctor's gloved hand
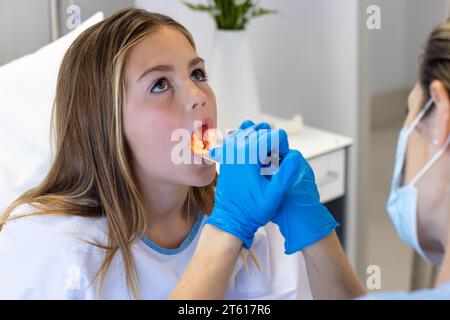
(301, 217)
(246, 199)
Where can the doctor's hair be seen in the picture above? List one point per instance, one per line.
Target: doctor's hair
(91, 174)
(435, 60)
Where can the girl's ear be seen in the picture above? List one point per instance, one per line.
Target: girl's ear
(439, 93)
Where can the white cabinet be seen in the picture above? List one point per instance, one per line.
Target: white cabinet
(327, 154)
(329, 170)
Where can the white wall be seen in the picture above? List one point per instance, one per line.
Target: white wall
(422, 17)
(396, 48)
(25, 24)
(387, 48)
(24, 27)
(89, 8)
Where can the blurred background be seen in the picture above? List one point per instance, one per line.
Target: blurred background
(316, 58)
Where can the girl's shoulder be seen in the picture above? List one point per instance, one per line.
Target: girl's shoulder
(54, 230)
(48, 256)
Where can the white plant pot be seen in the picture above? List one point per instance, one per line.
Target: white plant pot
(232, 77)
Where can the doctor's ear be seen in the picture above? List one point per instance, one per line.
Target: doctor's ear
(440, 95)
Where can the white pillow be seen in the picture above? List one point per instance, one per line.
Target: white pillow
(27, 91)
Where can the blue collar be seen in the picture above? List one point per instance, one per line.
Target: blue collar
(191, 236)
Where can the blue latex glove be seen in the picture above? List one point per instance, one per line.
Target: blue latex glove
(302, 219)
(244, 199)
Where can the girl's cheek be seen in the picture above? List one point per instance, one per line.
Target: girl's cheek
(158, 100)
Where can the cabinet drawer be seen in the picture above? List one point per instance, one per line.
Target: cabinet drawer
(329, 170)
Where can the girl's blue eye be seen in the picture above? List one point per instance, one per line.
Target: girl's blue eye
(160, 86)
(200, 75)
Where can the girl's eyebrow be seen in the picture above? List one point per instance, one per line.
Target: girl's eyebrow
(167, 68)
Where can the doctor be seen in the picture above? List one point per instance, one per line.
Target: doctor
(419, 204)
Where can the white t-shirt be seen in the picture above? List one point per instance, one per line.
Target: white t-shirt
(46, 257)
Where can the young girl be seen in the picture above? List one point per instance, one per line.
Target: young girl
(115, 217)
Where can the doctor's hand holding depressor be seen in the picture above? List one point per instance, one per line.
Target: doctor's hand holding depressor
(245, 199)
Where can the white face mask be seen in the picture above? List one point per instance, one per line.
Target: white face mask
(403, 200)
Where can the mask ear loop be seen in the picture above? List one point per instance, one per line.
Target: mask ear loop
(430, 163)
(408, 131)
(420, 116)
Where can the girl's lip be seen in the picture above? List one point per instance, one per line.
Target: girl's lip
(208, 121)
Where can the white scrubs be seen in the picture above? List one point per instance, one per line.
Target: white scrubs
(45, 257)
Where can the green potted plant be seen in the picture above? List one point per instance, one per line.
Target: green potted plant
(231, 14)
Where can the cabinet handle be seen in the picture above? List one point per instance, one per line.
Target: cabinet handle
(329, 177)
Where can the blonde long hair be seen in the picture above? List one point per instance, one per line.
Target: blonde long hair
(91, 174)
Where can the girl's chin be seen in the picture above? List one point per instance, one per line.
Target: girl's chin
(204, 175)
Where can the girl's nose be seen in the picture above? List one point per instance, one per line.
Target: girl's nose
(195, 98)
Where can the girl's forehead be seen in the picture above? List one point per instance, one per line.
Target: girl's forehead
(165, 46)
(165, 42)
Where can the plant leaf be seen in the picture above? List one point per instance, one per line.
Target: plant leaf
(198, 7)
(258, 12)
(231, 14)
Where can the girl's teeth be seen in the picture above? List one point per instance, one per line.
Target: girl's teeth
(197, 145)
(203, 139)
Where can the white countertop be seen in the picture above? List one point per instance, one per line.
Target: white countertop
(313, 142)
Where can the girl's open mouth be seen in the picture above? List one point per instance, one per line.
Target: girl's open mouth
(203, 139)
(198, 141)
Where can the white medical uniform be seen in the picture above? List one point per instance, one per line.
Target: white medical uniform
(45, 257)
